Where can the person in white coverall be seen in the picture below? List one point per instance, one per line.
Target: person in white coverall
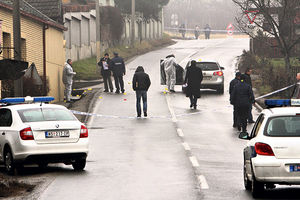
(68, 74)
(170, 69)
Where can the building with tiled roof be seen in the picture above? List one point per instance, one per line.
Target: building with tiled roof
(42, 43)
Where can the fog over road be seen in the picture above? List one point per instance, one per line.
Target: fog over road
(193, 155)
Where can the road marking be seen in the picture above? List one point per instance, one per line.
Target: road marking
(180, 132)
(203, 182)
(174, 118)
(194, 161)
(186, 146)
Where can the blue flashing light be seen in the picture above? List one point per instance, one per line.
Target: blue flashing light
(26, 100)
(277, 102)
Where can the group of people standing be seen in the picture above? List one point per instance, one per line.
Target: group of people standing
(242, 98)
(115, 65)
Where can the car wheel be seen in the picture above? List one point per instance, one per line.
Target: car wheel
(247, 183)
(220, 90)
(9, 162)
(257, 188)
(79, 165)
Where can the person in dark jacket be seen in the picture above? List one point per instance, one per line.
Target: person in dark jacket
(207, 31)
(140, 84)
(193, 79)
(106, 72)
(119, 70)
(248, 80)
(233, 83)
(242, 97)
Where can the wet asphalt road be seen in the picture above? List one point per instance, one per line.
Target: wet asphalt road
(167, 156)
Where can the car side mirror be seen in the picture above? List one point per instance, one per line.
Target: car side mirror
(222, 68)
(244, 136)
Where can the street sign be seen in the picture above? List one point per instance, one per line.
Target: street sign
(251, 15)
(230, 32)
(230, 27)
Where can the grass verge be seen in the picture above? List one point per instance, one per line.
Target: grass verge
(87, 69)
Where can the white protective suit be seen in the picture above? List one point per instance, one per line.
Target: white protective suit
(170, 70)
(68, 74)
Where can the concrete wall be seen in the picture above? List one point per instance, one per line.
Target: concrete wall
(81, 35)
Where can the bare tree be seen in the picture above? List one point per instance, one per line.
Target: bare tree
(278, 19)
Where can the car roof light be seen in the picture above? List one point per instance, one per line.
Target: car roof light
(27, 99)
(277, 102)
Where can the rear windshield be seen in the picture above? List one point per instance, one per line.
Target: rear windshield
(46, 114)
(286, 126)
(209, 66)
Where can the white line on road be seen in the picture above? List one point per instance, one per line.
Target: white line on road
(186, 146)
(174, 118)
(180, 132)
(203, 182)
(194, 161)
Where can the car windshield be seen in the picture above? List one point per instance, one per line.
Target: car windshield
(285, 126)
(208, 66)
(46, 114)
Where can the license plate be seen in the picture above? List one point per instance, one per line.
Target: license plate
(207, 78)
(294, 168)
(57, 134)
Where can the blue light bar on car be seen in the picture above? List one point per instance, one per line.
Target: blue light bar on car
(277, 102)
(26, 100)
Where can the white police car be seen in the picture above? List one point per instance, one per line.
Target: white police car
(272, 155)
(34, 132)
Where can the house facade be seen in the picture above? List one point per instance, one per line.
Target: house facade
(42, 43)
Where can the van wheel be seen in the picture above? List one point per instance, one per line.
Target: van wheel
(79, 165)
(9, 162)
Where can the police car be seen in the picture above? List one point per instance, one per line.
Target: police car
(272, 154)
(33, 131)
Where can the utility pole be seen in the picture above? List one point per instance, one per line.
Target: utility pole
(18, 84)
(132, 22)
(98, 31)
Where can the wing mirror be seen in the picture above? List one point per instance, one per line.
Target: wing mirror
(244, 136)
(222, 68)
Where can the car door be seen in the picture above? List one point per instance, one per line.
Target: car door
(5, 123)
(249, 151)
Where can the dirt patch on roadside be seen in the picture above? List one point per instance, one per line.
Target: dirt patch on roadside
(12, 188)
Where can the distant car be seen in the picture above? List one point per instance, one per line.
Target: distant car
(40, 133)
(272, 155)
(213, 75)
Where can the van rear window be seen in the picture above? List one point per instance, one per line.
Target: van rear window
(46, 114)
(209, 66)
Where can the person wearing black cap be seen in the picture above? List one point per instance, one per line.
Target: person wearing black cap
(242, 97)
(119, 70)
(233, 83)
(106, 72)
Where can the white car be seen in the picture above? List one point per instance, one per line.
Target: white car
(272, 155)
(40, 133)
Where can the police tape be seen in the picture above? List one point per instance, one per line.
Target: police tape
(128, 117)
(275, 92)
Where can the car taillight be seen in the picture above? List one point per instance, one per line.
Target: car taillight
(263, 149)
(26, 134)
(84, 133)
(219, 73)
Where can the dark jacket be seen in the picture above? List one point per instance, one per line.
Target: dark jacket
(242, 95)
(118, 66)
(193, 78)
(100, 64)
(233, 84)
(141, 80)
(248, 79)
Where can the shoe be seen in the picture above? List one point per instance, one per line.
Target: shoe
(145, 114)
(191, 105)
(123, 91)
(195, 107)
(172, 91)
(139, 115)
(117, 92)
(105, 90)
(239, 128)
(251, 122)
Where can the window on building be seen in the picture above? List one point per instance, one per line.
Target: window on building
(6, 44)
(23, 50)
